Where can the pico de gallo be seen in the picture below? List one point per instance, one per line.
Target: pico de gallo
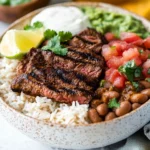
(126, 83)
(127, 58)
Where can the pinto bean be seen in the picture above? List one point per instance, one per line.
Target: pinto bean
(146, 92)
(125, 107)
(95, 103)
(106, 96)
(135, 106)
(145, 84)
(102, 109)
(100, 91)
(93, 116)
(139, 98)
(110, 116)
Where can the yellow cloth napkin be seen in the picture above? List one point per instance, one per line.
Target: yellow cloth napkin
(140, 7)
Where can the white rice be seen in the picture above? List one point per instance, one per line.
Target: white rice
(38, 107)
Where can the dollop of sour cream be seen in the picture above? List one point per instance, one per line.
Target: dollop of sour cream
(61, 18)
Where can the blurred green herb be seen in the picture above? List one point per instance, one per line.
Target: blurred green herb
(138, 72)
(49, 34)
(131, 70)
(102, 83)
(13, 2)
(136, 85)
(113, 103)
(141, 51)
(36, 25)
(55, 39)
(147, 79)
(55, 46)
(64, 36)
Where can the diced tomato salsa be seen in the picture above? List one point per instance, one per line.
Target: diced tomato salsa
(120, 51)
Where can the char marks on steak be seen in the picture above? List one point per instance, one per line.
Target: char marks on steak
(89, 39)
(73, 77)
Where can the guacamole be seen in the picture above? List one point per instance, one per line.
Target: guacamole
(104, 21)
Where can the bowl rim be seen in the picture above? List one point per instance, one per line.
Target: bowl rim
(76, 4)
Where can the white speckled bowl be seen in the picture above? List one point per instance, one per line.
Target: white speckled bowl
(78, 137)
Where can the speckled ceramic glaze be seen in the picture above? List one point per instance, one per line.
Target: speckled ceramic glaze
(78, 137)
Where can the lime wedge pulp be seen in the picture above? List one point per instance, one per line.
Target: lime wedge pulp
(16, 43)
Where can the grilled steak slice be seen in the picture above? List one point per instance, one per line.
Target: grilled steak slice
(65, 63)
(73, 77)
(89, 39)
(31, 86)
(92, 36)
(69, 64)
(59, 77)
(84, 55)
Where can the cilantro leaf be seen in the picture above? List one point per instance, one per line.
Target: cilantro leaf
(137, 72)
(28, 27)
(135, 85)
(113, 103)
(55, 46)
(65, 36)
(147, 79)
(141, 51)
(55, 39)
(149, 56)
(36, 25)
(131, 70)
(49, 34)
(102, 83)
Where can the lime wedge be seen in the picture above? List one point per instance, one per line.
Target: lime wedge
(16, 43)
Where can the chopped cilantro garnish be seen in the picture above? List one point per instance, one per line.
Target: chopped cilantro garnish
(113, 103)
(49, 34)
(65, 36)
(55, 46)
(141, 51)
(147, 79)
(135, 85)
(102, 83)
(138, 72)
(148, 71)
(131, 70)
(36, 25)
(55, 39)
(149, 56)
